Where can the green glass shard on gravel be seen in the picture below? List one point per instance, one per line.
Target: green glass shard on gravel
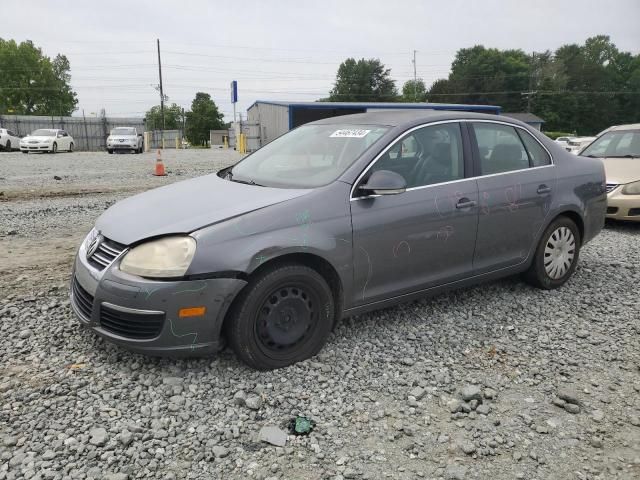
(304, 425)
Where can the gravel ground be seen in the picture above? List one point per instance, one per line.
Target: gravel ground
(498, 381)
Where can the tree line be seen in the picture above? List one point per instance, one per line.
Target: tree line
(578, 88)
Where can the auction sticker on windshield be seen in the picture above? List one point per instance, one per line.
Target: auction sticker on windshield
(350, 133)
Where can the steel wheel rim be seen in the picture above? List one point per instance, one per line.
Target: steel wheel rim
(559, 252)
(286, 319)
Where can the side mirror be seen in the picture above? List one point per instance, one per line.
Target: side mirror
(139, 134)
(384, 182)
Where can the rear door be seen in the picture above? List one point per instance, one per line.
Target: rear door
(425, 236)
(516, 181)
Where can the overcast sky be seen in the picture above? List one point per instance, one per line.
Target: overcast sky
(286, 50)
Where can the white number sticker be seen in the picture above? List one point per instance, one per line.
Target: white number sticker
(351, 133)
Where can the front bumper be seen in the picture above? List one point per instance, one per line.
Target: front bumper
(623, 207)
(35, 148)
(122, 146)
(142, 315)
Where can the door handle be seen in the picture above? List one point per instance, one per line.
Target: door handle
(465, 203)
(542, 189)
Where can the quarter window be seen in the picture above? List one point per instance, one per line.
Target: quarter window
(538, 155)
(428, 155)
(500, 147)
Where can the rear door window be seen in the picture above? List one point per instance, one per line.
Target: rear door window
(500, 148)
(538, 155)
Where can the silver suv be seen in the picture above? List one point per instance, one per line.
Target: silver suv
(125, 139)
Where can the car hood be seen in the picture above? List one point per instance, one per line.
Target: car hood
(186, 206)
(622, 170)
(38, 138)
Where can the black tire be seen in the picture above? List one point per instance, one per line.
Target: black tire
(283, 316)
(71, 147)
(110, 152)
(24, 151)
(54, 148)
(552, 264)
(8, 146)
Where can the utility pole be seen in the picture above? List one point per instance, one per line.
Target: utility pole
(531, 92)
(86, 131)
(183, 124)
(161, 91)
(415, 77)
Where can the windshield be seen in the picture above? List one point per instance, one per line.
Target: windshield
(307, 157)
(44, 133)
(618, 143)
(123, 131)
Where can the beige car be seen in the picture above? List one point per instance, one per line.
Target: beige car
(619, 148)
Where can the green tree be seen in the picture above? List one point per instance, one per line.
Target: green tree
(33, 84)
(363, 81)
(172, 117)
(485, 76)
(414, 91)
(578, 88)
(204, 116)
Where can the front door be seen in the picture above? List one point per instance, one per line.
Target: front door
(424, 236)
(515, 183)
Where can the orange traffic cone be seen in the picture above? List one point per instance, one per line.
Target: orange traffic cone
(159, 166)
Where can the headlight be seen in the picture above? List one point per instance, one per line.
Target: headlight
(631, 188)
(164, 258)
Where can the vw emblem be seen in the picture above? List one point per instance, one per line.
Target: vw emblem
(93, 246)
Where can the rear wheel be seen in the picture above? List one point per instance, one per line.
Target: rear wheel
(8, 146)
(283, 316)
(556, 256)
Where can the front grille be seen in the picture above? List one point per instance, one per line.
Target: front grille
(82, 299)
(107, 252)
(131, 325)
(612, 210)
(611, 187)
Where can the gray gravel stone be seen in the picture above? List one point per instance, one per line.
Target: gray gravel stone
(98, 436)
(471, 392)
(254, 402)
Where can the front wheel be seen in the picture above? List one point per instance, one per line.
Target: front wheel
(8, 146)
(54, 148)
(282, 317)
(556, 256)
(24, 151)
(109, 151)
(71, 147)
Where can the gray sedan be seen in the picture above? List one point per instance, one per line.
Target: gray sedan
(335, 218)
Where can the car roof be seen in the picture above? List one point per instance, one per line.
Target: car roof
(396, 118)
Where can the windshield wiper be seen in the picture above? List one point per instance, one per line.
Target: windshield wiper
(246, 182)
(591, 156)
(628, 155)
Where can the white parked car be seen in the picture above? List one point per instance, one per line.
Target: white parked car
(9, 140)
(563, 141)
(125, 139)
(47, 140)
(578, 143)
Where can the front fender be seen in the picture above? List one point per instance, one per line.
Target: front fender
(318, 223)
